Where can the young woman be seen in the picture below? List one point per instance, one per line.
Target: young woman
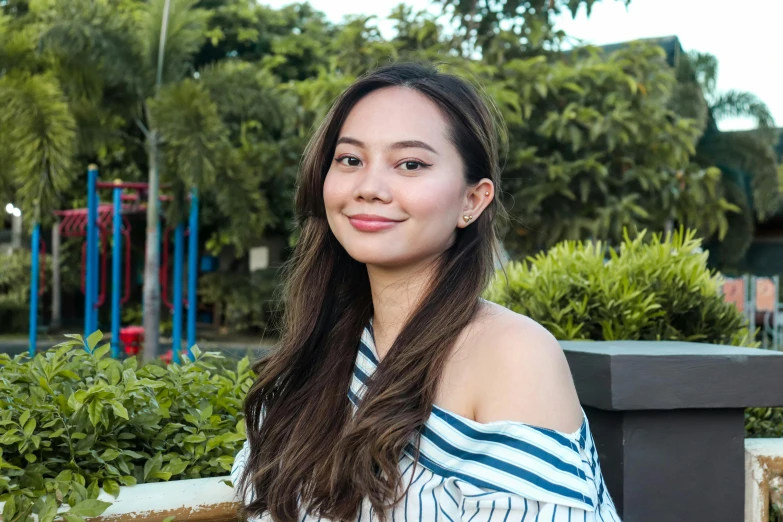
(397, 393)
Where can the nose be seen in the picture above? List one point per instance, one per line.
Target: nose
(372, 183)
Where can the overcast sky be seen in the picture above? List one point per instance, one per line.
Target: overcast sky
(746, 37)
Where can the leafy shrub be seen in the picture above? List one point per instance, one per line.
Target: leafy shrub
(656, 289)
(596, 147)
(249, 301)
(73, 422)
(764, 422)
(659, 289)
(15, 290)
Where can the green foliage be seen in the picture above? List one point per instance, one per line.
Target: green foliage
(597, 142)
(732, 249)
(37, 129)
(776, 511)
(258, 172)
(15, 290)
(747, 160)
(764, 422)
(647, 289)
(249, 302)
(485, 26)
(594, 144)
(187, 117)
(702, 68)
(750, 153)
(73, 422)
(186, 33)
(602, 151)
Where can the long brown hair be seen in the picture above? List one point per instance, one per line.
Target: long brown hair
(311, 451)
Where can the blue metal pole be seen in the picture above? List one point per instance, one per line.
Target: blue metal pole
(96, 272)
(116, 277)
(92, 175)
(34, 274)
(176, 337)
(192, 270)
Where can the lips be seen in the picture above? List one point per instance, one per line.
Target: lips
(371, 222)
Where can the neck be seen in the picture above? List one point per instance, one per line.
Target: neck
(396, 292)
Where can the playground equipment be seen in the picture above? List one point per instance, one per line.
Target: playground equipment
(93, 223)
(757, 298)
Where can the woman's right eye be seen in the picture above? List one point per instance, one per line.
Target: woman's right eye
(349, 158)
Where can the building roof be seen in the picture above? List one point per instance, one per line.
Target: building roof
(670, 44)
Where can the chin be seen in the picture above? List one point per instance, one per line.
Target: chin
(377, 257)
(383, 256)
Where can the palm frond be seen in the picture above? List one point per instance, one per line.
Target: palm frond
(193, 135)
(688, 101)
(750, 152)
(247, 92)
(17, 47)
(41, 134)
(705, 68)
(93, 42)
(186, 32)
(732, 104)
(732, 249)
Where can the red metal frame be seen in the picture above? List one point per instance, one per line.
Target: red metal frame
(163, 271)
(126, 232)
(73, 223)
(103, 238)
(134, 185)
(42, 265)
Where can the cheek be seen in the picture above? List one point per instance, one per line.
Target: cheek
(436, 203)
(334, 194)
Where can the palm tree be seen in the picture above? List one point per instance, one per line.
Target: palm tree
(747, 159)
(134, 54)
(37, 129)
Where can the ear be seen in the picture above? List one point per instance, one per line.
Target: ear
(477, 198)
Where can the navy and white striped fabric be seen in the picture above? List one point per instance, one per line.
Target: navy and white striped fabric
(474, 472)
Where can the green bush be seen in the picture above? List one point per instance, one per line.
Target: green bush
(764, 422)
(656, 288)
(15, 290)
(249, 302)
(73, 422)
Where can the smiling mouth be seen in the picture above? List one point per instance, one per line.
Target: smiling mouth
(365, 223)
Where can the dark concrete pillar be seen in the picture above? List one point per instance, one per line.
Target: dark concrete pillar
(668, 419)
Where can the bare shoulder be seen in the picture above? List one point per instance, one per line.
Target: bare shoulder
(522, 374)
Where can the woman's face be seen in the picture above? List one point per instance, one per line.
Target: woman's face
(396, 191)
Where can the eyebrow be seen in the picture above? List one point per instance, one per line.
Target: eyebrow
(406, 144)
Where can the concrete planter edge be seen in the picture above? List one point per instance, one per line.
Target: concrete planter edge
(192, 500)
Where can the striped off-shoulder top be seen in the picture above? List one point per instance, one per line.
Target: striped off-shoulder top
(476, 472)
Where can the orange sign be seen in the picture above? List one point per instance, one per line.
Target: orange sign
(766, 300)
(734, 292)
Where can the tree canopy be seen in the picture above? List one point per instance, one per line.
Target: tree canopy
(596, 140)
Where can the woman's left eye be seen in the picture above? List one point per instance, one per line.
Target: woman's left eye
(414, 165)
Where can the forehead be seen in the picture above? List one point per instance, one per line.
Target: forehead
(396, 113)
